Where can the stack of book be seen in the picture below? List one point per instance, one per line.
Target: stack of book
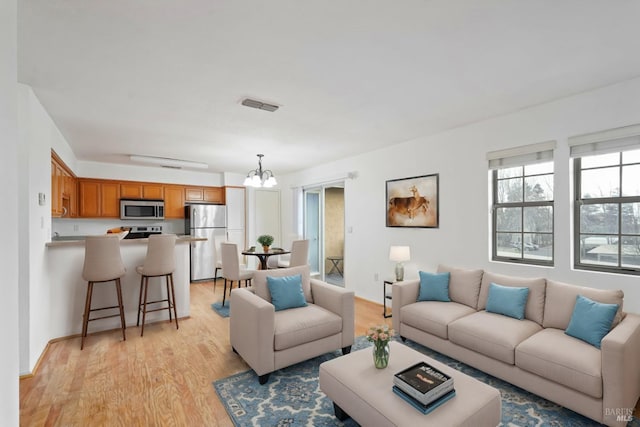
(423, 386)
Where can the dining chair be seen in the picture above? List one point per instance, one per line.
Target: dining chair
(231, 271)
(299, 255)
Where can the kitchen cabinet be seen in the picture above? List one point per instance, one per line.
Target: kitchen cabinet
(204, 194)
(153, 191)
(63, 189)
(141, 190)
(174, 201)
(99, 198)
(89, 198)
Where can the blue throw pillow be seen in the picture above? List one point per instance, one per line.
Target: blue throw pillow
(286, 292)
(507, 300)
(591, 320)
(434, 287)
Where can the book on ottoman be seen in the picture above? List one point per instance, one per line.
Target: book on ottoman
(423, 382)
(425, 409)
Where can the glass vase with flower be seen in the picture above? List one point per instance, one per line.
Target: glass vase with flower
(380, 336)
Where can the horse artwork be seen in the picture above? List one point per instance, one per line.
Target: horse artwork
(413, 202)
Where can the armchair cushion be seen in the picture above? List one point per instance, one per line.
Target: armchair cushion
(303, 325)
(259, 281)
(286, 292)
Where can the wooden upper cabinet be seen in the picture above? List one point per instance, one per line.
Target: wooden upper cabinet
(205, 194)
(99, 198)
(153, 191)
(131, 190)
(194, 194)
(141, 190)
(89, 198)
(63, 188)
(174, 201)
(110, 199)
(214, 195)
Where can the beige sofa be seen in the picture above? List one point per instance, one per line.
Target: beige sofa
(533, 353)
(269, 340)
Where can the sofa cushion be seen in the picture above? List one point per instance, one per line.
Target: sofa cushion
(434, 287)
(535, 304)
(493, 335)
(561, 298)
(464, 285)
(507, 300)
(302, 325)
(259, 281)
(591, 320)
(433, 316)
(286, 292)
(558, 357)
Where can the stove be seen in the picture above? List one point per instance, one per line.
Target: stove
(143, 231)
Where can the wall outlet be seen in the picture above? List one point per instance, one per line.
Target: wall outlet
(375, 277)
(76, 227)
(42, 199)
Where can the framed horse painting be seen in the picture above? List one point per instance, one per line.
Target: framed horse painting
(413, 202)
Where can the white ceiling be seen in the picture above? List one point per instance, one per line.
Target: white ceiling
(165, 78)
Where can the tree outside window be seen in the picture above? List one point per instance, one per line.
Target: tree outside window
(607, 212)
(523, 214)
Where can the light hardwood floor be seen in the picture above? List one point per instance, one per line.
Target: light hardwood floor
(164, 378)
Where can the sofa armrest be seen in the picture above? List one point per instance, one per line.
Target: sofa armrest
(402, 293)
(339, 301)
(620, 369)
(251, 329)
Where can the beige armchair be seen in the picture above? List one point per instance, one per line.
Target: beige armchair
(269, 340)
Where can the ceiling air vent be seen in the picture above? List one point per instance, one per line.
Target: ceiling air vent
(259, 105)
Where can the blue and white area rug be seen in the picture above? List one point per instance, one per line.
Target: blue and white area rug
(218, 308)
(292, 397)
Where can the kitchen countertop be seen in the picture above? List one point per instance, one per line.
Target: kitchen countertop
(79, 241)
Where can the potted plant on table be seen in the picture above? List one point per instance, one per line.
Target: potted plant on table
(265, 240)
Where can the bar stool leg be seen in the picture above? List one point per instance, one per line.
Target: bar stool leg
(173, 297)
(166, 279)
(144, 304)
(123, 323)
(87, 310)
(140, 300)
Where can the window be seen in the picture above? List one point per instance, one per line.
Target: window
(607, 212)
(522, 208)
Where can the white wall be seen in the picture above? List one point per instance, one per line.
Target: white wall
(147, 173)
(459, 157)
(38, 134)
(9, 357)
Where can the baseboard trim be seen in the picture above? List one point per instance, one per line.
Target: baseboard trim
(36, 367)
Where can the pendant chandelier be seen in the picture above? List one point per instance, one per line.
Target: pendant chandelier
(259, 177)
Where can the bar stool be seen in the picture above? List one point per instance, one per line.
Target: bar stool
(102, 263)
(159, 262)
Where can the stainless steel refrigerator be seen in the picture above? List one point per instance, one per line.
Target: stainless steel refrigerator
(210, 222)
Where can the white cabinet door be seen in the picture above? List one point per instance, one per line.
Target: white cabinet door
(235, 208)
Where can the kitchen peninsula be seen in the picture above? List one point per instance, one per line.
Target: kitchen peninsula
(65, 261)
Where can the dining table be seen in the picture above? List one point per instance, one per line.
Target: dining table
(264, 256)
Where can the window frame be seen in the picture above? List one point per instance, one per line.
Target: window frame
(522, 205)
(617, 200)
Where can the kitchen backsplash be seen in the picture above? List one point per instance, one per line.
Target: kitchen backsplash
(86, 227)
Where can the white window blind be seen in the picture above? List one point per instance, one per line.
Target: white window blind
(606, 141)
(523, 155)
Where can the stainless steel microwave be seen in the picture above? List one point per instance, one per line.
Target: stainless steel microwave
(141, 209)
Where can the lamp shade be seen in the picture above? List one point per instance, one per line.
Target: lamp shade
(399, 253)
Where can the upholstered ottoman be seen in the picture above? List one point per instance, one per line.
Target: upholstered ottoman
(364, 393)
